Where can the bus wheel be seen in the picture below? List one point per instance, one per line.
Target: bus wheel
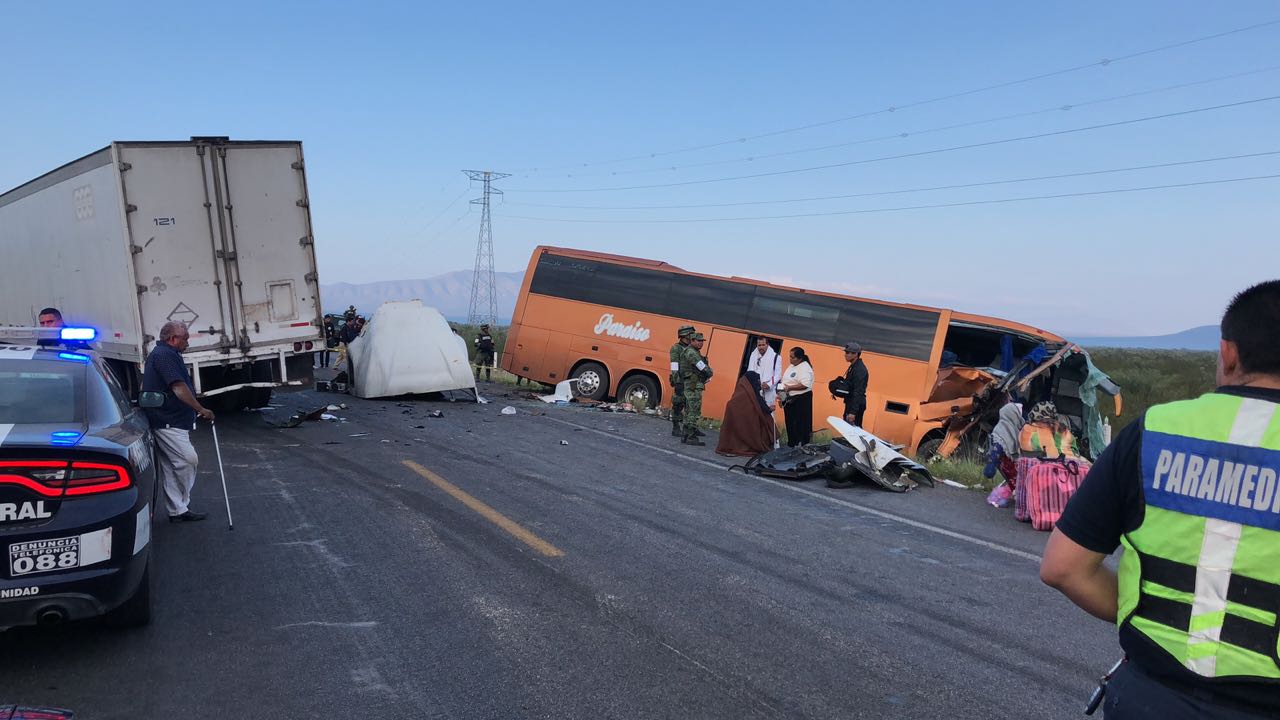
(928, 449)
(639, 390)
(593, 380)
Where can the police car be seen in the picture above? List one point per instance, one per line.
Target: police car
(77, 485)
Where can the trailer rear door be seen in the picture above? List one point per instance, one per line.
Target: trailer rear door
(266, 210)
(177, 253)
(222, 241)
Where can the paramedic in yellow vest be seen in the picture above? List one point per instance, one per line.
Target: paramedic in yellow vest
(1192, 492)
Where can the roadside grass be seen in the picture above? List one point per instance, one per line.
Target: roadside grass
(1151, 377)
(963, 472)
(502, 377)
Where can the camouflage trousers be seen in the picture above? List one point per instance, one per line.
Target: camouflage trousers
(692, 411)
(677, 408)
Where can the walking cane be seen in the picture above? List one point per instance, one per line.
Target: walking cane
(218, 449)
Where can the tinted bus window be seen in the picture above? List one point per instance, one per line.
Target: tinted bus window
(884, 329)
(564, 277)
(888, 330)
(633, 288)
(705, 300)
(790, 314)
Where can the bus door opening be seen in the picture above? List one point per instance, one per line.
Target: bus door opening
(752, 344)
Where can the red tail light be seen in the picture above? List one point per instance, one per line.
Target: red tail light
(297, 347)
(308, 345)
(59, 478)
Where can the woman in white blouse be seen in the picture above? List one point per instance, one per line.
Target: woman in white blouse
(797, 407)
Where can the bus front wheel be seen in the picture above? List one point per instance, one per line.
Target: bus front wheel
(593, 380)
(639, 390)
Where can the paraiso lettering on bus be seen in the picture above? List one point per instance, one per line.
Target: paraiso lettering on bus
(609, 327)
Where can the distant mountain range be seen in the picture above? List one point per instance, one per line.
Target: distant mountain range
(1204, 337)
(449, 293)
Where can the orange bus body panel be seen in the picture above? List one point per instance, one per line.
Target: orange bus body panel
(551, 336)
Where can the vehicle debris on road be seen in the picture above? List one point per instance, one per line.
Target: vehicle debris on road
(863, 454)
(564, 392)
(508, 410)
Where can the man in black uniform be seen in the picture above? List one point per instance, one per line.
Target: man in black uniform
(1189, 490)
(484, 352)
(856, 379)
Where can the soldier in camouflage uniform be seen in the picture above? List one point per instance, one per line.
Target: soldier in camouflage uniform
(684, 335)
(694, 374)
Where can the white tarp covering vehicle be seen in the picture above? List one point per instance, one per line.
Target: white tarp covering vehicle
(407, 348)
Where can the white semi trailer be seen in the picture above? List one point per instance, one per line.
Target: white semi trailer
(210, 232)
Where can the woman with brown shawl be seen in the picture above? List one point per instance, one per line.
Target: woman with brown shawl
(748, 427)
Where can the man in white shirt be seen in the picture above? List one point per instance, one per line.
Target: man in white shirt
(766, 363)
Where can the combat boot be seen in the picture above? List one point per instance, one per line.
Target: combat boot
(675, 429)
(692, 440)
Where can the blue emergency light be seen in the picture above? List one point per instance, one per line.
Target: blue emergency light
(79, 334)
(64, 437)
(77, 357)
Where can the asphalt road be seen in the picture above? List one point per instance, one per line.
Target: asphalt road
(475, 566)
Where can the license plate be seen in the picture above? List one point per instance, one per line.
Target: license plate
(54, 554)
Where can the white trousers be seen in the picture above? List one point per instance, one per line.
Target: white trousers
(177, 461)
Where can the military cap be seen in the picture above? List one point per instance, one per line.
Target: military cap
(699, 336)
(685, 330)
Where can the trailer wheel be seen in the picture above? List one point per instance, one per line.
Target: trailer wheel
(257, 397)
(593, 380)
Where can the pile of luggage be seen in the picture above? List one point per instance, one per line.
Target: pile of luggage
(1044, 468)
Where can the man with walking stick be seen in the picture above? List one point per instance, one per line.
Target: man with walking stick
(172, 422)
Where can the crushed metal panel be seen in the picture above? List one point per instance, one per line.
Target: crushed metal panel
(877, 459)
(958, 382)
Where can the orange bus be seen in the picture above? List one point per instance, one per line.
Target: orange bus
(610, 320)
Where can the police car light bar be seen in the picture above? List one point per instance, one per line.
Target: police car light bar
(81, 334)
(33, 334)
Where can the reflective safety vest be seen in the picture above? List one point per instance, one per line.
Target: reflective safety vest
(1201, 576)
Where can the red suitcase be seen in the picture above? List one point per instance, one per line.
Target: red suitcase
(1048, 486)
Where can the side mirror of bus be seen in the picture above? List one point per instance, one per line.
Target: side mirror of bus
(150, 399)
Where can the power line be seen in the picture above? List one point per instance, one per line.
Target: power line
(1060, 107)
(919, 153)
(986, 183)
(446, 209)
(449, 227)
(908, 207)
(1105, 62)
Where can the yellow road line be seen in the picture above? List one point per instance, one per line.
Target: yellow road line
(488, 513)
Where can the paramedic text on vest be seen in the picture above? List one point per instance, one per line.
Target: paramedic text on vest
(1192, 492)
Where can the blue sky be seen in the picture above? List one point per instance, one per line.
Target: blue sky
(393, 101)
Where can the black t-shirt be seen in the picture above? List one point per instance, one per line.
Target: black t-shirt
(856, 377)
(1109, 504)
(163, 368)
